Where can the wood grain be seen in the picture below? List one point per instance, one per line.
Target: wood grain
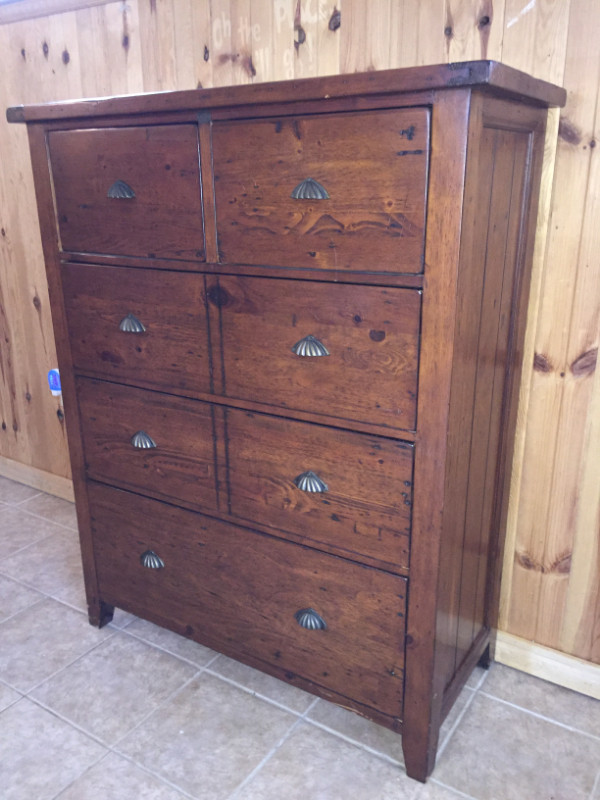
(247, 588)
(108, 49)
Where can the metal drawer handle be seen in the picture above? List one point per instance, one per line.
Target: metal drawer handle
(120, 191)
(131, 324)
(310, 346)
(142, 441)
(310, 189)
(309, 482)
(150, 560)
(309, 619)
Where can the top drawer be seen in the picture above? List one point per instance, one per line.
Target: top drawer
(129, 191)
(340, 192)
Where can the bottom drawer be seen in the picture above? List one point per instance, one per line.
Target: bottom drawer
(241, 591)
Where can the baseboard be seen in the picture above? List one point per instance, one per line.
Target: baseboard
(551, 665)
(37, 478)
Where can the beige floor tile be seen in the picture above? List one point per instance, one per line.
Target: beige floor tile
(359, 729)
(172, 642)
(52, 565)
(570, 708)
(53, 508)
(18, 529)
(596, 794)
(502, 753)
(115, 778)
(112, 688)
(280, 692)
(314, 765)
(8, 696)
(209, 738)
(41, 754)
(12, 492)
(42, 639)
(14, 597)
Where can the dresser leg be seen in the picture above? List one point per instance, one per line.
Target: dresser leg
(100, 614)
(485, 659)
(419, 756)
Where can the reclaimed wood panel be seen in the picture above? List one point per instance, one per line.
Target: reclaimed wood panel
(69, 48)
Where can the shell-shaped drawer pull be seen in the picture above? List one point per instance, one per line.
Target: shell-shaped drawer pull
(310, 482)
(150, 560)
(310, 189)
(120, 191)
(310, 346)
(141, 441)
(309, 619)
(131, 324)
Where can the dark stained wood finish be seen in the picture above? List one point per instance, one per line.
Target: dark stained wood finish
(173, 349)
(374, 216)
(160, 163)
(492, 76)
(226, 584)
(180, 467)
(372, 335)
(422, 376)
(366, 508)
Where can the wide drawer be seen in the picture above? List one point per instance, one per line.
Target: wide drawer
(148, 441)
(129, 191)
(336, 192)
(341, 350)
(241, 591)
(138, 326)
(347, 490)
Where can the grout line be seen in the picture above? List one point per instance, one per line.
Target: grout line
(360, 745)
(457, 721)
(70, 664)
(457, 792)
(254, 693)
(22, 610)
(20, 502)
(271, 753)
(70, 722)
(46, 519)
(541, 716)
(157, 775)
(166, 649)
(151, 713)
(481, 680)
(594, 787)
(81, 774)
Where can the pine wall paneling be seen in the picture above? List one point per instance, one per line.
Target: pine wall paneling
(65, 49)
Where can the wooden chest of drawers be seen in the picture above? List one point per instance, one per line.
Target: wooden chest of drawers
(290, 319)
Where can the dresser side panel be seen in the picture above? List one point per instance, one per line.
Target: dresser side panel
(492, 299)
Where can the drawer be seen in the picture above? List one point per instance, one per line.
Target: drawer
(368, 339)
(148, 441)
(138, 326)
(334, 192)
(346, 490)
(240, 591)
(129, 191)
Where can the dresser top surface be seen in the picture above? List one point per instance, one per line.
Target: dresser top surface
(487, 75)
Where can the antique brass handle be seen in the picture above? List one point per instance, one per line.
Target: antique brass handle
(141, 441)
(310, 189)
(120, 191)
(309, 482)
(309, 619)
(150, 560)
(310, 346)
(131, 324)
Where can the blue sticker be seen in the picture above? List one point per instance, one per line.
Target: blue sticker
(54, 382)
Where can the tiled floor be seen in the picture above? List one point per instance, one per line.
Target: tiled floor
(133, 712)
